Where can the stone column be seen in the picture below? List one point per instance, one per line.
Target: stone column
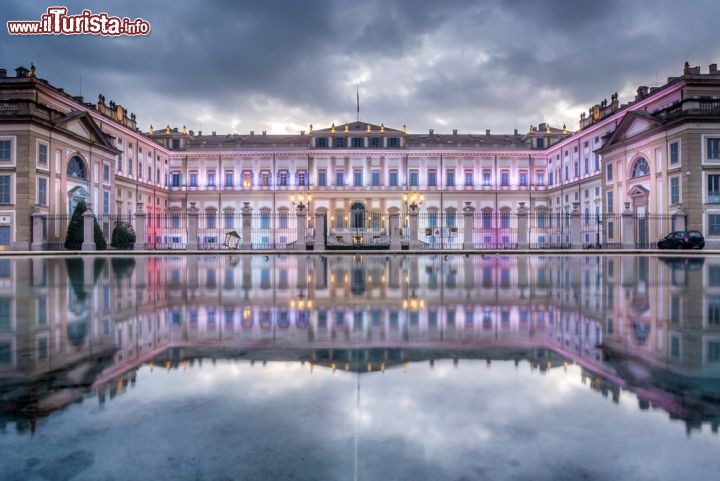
(39, 221)
(140, 228)
(523, 233)
(469, 225)
(413, 226)
(319, 239)
(300, 244)
(192, 228)
(88, 230)
(394, 228)
(575, 227)
(302, 272)
(628, 228)
(246, 212)
(468, 272)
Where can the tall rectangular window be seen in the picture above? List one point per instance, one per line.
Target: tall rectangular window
(713, 192)
(211, 179)
(610, 202)
(321, 142)
(414, 178)
(609, 172)
(340, 178)
(265, 178)
(541, 178)
(228, 179)
(42, 190)
(674, 153)
(106, 202)
(523, 179)
(357, 143)
(193, 179)
(713, 224)
(375, 178)
(301, 178)
(228, 220)
(42, 154)
(674, 190)
(175, 179)
(357, 178)
(713, 149)
(432, 178)
(394, 181)
(247, 178)
(283, 178)
(106, 173)
(375, 142)
(322, 178)
(487, 177)
(597, 162)
(5, 193)
(339, 142)
(450, 178)
(5, 153)
(394, 142)
(505, 178)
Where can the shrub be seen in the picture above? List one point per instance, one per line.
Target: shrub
(123, 236)
(75, 232)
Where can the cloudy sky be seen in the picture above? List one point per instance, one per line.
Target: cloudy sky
(235, 66)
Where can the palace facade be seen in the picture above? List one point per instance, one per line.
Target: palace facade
(656, 154)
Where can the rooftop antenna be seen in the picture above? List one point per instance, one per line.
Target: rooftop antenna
(357, 96)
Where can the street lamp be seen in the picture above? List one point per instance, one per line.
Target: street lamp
(299, 202)
(413, 201)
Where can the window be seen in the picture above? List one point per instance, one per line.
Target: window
(609, 172)
(175, 144)
(505, 178)
(586, 166)
(567, 176)
(597, 162)
(42, 191)
(450, 178)
(487, 177)
(674, 153)
(640, 169)
(394, 142)
(210, 219)
(265, 178)
(357, 178)
(468, 178)
(674, 190)
(175, 179)
(42, 158)
(375, 178)
(119, 163)
(322, 178)
(301, 178)
(5, 195)
(713, 312)
(193, 179)
(414, 178)
(375, 142)
(228, 220)
(432, 178)
(523, 179)
(5, 150)
(321, 142)
(714, 224)
(339, 142)
(357, 143)
(339, 178)
(394, 178)
(540, 143)
(140, 170)
(541, 178)
(610, 202)
(228, 179)
(283, 178)
(76, 168)
(211, 179)
(106, 173)
(550, 178)
(713, 193)
(106, 202)
(713, 149)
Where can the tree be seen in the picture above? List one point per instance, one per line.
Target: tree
(123, 236)
(75, 232)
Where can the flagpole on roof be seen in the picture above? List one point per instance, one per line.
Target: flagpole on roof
(357, 91)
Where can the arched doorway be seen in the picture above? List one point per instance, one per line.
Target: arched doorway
(77, 182)
(357, 216)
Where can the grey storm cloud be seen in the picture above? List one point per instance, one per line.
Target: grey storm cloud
(281, 65)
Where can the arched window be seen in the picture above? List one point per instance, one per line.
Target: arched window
(640, 169)
(76, 168)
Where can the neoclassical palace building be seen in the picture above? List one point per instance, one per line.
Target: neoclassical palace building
(656, 154)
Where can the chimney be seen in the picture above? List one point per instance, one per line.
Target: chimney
(487, 131)
(515, 132)
(199, 133)
(252, 132)
(302, 132)
(264, 132)
(454, 131)
(431, 131)
(213, 132)
(642, 91)
(3, 73)
(713, 69)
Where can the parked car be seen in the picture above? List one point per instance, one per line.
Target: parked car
(682, 239)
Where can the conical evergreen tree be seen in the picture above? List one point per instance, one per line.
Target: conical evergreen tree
(75, 230)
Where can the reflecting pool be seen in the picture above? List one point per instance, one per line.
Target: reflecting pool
(360, 367)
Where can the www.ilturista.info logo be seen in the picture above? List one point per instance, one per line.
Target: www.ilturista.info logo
(56, 21)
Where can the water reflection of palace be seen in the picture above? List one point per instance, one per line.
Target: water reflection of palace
(652, 326)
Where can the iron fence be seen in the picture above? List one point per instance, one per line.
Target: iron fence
(435, 230)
